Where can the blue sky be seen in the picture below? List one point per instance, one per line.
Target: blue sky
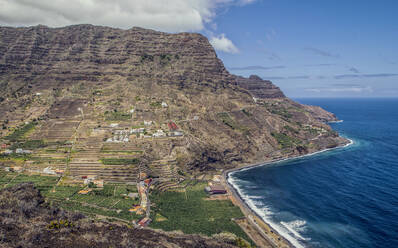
(309, 48)
(313, 48)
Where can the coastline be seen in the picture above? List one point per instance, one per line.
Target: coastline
(274, 237)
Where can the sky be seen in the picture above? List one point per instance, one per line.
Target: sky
(309, 48)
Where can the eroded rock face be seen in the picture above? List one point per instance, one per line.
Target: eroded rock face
(48, 57)
(261, 89)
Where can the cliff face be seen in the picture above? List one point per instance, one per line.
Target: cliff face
(47, 57)
(80, 79)
(260, 89)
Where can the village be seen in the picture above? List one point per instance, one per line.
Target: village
(121, 165)
(109, 157)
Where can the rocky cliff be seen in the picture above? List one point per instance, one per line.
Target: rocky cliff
(80, 82)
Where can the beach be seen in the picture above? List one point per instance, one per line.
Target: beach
(268, 234)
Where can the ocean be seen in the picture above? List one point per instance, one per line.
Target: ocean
(347, 197)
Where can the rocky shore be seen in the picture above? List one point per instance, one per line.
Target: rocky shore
(266, 231)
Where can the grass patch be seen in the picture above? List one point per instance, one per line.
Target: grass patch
(156, 104)
(291, 129)
(15, 156)
(117, 116)
(191, 213)
(104, 150)
(284, 140)
(36, 144)
(282, 112)
(20, 132)
(247, 113)
(227, 120)
(119, 161)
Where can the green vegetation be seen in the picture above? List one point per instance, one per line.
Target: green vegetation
(35, 144)
(165, 59)
(117, 116)
(43, 183)
(282, 112)
(247, 113)
(291, 129)
(227, 120)
(284, 140)
(39, 160)
(109, 202)
(242, 243)
(156, 104)
(146, 58)
(97, 92)
(58, 224)
(119, 161)
(311, 130)
(190, 212)
(20, 132)
(15, 156)
(121, 151)
(29, 144)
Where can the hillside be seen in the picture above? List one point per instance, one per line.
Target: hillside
(26, 220)
(90, 100)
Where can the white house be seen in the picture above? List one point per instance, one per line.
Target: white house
(49, 170)
(164, 105)
(176, 133)
(138, 130)
(148, 123)
(159, 133)
(8, 152)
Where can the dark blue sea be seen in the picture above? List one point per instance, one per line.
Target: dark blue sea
(346, 197)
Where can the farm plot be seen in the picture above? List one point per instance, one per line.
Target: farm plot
(191, 213)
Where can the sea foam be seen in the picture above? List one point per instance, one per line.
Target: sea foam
(289, 230)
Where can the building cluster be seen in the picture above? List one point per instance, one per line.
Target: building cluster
(215, 187)
(87, 180)
(17, 151)
(124, 136)
(14, 169)
(142, 191)
(120, 136)
(51, 171)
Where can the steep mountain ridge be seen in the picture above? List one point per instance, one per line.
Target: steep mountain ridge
(80, 80)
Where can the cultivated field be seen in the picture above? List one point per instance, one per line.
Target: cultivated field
(192, 212)
(109, 202)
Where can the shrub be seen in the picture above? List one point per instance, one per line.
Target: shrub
(58, 224)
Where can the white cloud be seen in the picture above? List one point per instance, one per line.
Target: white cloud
(342, 89)
(163, 15)
(224, 44)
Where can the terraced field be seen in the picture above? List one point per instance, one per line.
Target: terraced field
(111, 202)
